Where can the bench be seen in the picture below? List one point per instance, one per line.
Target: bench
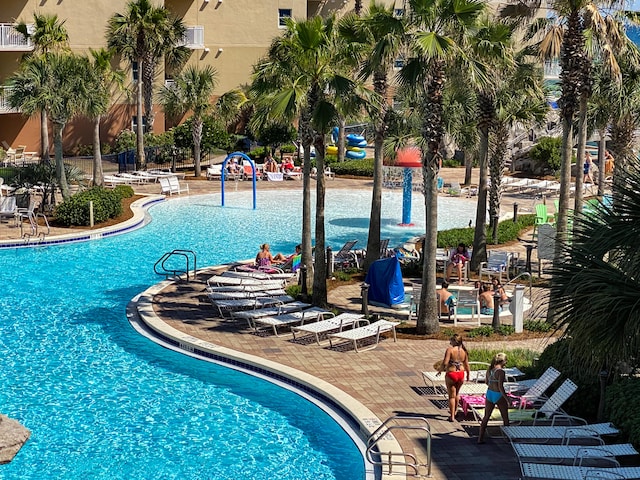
(365, 332)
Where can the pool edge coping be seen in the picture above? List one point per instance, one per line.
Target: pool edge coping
(138, 220)
(141, 306)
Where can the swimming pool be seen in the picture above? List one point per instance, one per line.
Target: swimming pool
(103, 402)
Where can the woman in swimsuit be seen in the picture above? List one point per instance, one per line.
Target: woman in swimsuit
(264, 257)
(455, 363)
(495, 393)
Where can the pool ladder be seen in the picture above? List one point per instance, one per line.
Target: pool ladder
(389, 460)
(32, 218)
(161, 267)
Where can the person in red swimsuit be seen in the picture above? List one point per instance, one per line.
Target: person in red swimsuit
(455, 363)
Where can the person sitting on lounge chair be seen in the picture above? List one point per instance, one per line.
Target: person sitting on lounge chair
(292, 262)
(287, 165)
(447, 300)
(264, 258)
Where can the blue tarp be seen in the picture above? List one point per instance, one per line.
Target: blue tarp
(385, 282)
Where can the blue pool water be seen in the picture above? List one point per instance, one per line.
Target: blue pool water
(103, 402)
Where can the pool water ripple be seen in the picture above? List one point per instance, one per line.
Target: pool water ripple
(103, 402)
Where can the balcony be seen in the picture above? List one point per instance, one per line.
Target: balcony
(4, 104)
(193, 38)
(13, 41)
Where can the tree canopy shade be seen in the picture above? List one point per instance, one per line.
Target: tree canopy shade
(191, 92)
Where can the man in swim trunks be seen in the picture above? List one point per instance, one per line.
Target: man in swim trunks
(455, 363)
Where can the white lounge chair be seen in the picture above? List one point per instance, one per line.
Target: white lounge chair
(345, 256)
(365, 332)
(245, 294)
(328, 325)
(553, 453)
(536, 391)
(565, 472)
(8, 207)
(557, 433)
(251, 315)
(225, 280)
(289, 319)
(214, 171)
(225, 307)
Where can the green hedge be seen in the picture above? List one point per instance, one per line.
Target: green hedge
(508, 231)
(621, 398)
(124, 191)
(75, 210)
(356, 168)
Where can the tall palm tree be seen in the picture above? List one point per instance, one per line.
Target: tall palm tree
(191, 92)
(440, 32)
(382, 33)
(303, 76)
(47, 34)
(103, 79)
(142, 35)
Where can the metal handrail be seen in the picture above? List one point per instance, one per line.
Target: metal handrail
(523, 274)
(176, 273)
(385, 429)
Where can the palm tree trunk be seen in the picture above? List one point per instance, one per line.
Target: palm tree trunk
(496, 169)
(44, 137)
(141, 163)
(58, 128)
(320, 270)
(306, 137)
(602, 148)
(427, 321)
(197, 139)
(580, 157)
(98, 176)
(373, 240)
(341, 140)
(468, 167)
(479, 254)
(565, 185)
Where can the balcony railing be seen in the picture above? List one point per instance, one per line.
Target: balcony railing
(12, 40)
(4, 103)
(194, 37)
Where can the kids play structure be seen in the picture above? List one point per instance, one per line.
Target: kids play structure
(355, 144)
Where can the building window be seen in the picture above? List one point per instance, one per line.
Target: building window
(134, 123)
(283, 14)
(134, 70)
(398, 63)
(398, 12)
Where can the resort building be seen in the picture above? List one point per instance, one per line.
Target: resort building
(229, 35)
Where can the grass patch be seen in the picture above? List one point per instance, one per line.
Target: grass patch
(518, 357)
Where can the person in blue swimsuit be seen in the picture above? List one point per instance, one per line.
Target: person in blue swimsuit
(496, 395)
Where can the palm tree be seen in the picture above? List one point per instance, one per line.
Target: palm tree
(303, 76)
(191, 92)
(48, 34)
(382, 33)
(440, 33)
(142, 35)
(103, 79)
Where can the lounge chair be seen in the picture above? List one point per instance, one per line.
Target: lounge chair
(414, 303)
(226, 280)
(547, 410)
(214, 172)
(251, 315)
(536, 391)
(558, 433)
(365, 332)
(260, 273)
(225, 307)
(328, 325)
(289, 319)
(497, 264)
(244, 294)
(542, 217)
(8, 207)
(565, 472)
(345, 257)
(171, 185)
(554, 453)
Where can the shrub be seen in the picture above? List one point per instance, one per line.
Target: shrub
(506, 330)
(75, 210)
(124, 191)
(293, 290)
(518, 357)
(259, 153)
(126, 140)
(508, 231)
(537, 326)
(620, 398)
(288, 148)
(484, 331)
(547, 152)
(214, 135)
(356, 168)
(341, 275)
